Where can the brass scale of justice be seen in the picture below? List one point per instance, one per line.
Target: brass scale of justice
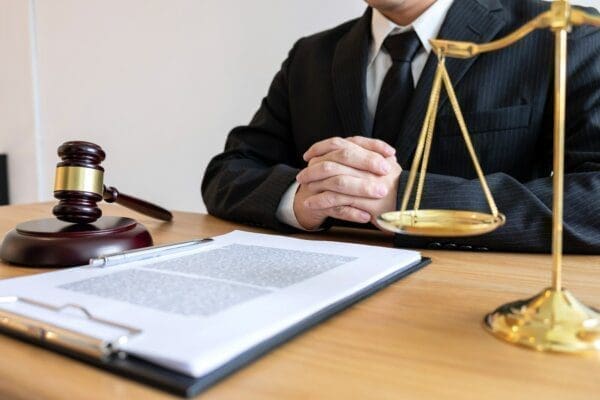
(553, 320)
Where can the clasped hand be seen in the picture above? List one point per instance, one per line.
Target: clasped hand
(353, 179)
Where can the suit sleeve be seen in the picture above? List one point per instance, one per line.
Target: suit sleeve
(246, 182)
(528, 205)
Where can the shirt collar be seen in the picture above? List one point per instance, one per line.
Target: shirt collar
(427, 26)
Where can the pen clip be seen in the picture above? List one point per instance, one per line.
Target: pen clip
(145, 253)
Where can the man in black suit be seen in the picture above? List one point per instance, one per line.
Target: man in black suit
(332, 140)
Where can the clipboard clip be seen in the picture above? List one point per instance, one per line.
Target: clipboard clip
(68, 339)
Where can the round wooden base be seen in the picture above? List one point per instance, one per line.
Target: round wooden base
(53, 243)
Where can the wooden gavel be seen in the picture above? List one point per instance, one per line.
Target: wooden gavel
(79, 186)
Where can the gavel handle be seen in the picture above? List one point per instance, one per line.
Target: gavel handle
(112, 195)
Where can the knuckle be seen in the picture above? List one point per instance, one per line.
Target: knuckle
(330, 199)
(340, 210)
(374, 161)
(337, 141)
(312, 162)
(370, 189)
(339, 182)
(345, 155)
(349, 214)
(327, 166)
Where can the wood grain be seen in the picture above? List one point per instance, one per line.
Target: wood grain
(421, 338)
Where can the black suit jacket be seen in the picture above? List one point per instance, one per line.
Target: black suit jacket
(507, 98)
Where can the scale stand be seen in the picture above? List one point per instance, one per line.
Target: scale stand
(553, 320)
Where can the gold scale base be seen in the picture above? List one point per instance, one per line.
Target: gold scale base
(551, 321)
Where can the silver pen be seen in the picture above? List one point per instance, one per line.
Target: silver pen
(146, 253)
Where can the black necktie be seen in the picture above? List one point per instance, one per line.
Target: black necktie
(398, 86)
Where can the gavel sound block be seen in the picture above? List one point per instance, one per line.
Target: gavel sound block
(79, 231)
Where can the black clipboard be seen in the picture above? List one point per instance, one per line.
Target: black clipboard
(174, 382)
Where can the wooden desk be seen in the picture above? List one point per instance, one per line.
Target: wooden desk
(421, 338)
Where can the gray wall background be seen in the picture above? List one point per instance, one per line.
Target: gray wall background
(157, 83)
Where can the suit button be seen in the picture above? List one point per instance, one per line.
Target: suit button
(434, 246)
(450, 246)
(466, 248)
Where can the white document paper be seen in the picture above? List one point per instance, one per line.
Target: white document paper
(201, 308)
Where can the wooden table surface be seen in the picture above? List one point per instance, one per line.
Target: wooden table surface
(420, 338)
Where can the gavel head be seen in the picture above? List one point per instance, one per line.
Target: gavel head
(79, 184)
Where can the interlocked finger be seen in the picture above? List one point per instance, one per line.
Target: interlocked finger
(357, 158)
(337, 143)
(350, 214)
(325, 170)
(350, 185)
(376, 145)
(328, 199)
(326, 146)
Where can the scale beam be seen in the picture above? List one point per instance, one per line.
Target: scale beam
(560, 16)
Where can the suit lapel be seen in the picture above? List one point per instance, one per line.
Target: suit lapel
(476, 21)
(349, 77)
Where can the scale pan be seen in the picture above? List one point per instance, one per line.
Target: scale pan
(440, 223)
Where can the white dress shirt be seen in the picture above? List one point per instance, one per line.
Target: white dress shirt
(427, 26)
